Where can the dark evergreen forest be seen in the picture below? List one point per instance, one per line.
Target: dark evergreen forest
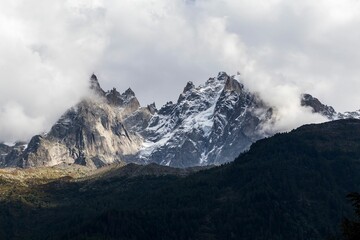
(290, 186)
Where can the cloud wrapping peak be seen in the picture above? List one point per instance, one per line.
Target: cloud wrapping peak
(48, 50)
(282, 48)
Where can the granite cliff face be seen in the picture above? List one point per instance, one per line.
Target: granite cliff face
(92, 133)
(209, 124)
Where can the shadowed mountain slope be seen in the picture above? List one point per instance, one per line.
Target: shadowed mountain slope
(290, 186)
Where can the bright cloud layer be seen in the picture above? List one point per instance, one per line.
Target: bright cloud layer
(282, 48)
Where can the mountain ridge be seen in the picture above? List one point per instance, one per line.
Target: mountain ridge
(210, 124)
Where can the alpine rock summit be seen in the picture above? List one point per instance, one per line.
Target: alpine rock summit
(208, 125)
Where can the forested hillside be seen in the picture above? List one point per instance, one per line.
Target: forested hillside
(290, 186)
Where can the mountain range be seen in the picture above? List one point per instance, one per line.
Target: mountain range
(210, 124)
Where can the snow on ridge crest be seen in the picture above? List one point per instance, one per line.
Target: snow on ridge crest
(194, 113)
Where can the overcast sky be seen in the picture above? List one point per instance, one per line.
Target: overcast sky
(48, 50)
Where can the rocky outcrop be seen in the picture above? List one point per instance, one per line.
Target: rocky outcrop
(95, 86)
(329, 112)
(92, 133)
(317, 107)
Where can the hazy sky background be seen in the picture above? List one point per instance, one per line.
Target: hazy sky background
(282, 48)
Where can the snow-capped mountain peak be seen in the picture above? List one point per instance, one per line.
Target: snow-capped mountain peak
(209, 124)
(191, 131)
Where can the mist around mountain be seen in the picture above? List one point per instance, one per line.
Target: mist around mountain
(210, 124)
(290, 186)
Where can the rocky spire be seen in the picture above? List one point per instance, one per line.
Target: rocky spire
(129, 93)
(114, 97)
(95, 86)
(232, 85)
(222, 76)
(125, 100)
(152, 108)
(190, 85)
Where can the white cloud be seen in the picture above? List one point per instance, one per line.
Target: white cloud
(282, 48)
(48, 50)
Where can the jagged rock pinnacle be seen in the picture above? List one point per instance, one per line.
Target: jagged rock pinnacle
(93, 77)
(233, 85)
(95, 86)
(190, 85)
(114, 97)
(152, 108)
(222, 76)
(125, 99)
(129, 92)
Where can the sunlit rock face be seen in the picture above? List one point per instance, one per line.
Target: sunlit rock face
(92, 133)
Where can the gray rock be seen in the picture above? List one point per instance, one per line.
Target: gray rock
(95, 86)
(317, 107)
(92, 133)
(329, 112)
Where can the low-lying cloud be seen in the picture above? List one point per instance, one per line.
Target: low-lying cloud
(282, 48)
